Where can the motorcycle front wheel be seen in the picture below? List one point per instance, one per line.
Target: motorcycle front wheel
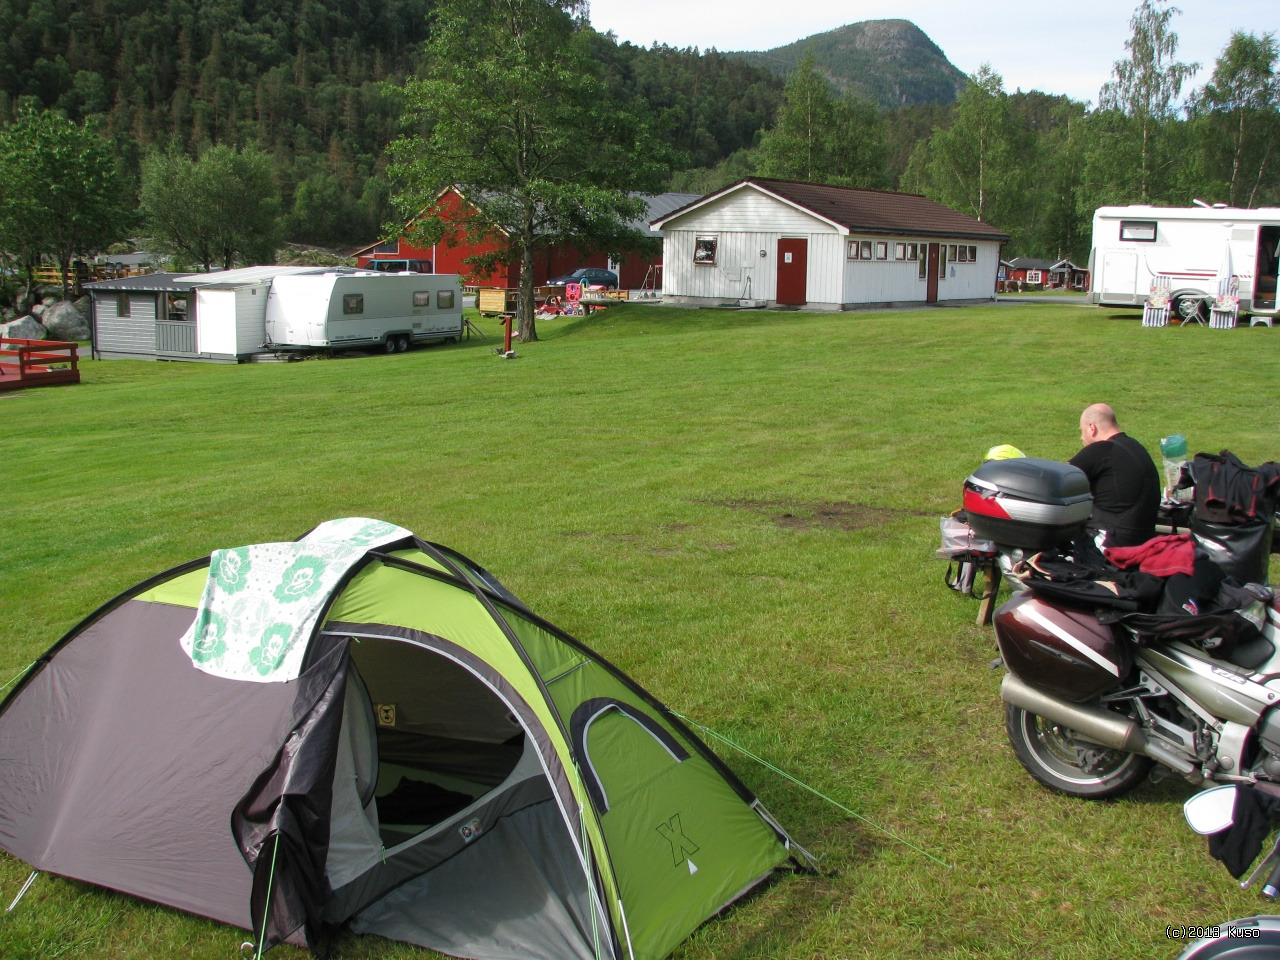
(1052, 755)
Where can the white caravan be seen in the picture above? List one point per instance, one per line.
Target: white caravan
(337, 309)
(1193, 247)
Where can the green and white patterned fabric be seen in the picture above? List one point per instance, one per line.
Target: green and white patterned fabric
(260, 603)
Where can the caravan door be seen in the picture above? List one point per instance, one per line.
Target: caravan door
(1119, 279)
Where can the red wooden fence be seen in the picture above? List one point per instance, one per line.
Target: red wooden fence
(26, 363)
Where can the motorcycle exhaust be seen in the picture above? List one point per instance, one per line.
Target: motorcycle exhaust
(1092, 723)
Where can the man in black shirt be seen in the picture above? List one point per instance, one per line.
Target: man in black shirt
(1122, 477)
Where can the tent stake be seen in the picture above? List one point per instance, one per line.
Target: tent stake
(23, 892)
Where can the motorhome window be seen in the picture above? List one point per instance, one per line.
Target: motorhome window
(704, 249)
(444, 299)
(122, 305)
(1140, 230)
(353, 303)
(422, 298)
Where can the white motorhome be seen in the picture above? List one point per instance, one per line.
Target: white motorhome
(1193, 247)
(337, 309)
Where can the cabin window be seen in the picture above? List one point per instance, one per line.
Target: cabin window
(352, 303)
(422, 298)
(704, 249)
(1143, 231)
(911, 251)
(973, 254)
(899, 251)
(882, 250)
(853, 250)
(123, 307)
(444, 299)
(1033, 276)
(924, 261)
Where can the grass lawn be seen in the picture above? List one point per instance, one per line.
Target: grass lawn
(738, 508)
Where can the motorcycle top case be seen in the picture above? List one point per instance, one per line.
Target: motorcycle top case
(1068, 653)
(1028, 502)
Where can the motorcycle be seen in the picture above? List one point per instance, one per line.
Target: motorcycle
(1093, 705)
(1214, 812)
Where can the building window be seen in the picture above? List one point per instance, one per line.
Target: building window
(899, 251)
(951, 253)
(855, 249)
(924, 261)
(882, 250)
(352, 303)
(911, 251)
(1143, 231)
(1033, 276)
(123, 305)
(973, 254)
(704, 249)
(444, 299)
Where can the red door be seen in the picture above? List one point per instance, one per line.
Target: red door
(931, 278)
(793, 265)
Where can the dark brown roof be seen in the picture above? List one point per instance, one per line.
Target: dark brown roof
(874, 211)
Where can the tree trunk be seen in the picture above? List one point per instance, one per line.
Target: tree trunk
(528, 330)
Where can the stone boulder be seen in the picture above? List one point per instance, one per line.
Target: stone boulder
(65, 321)
(24, 328)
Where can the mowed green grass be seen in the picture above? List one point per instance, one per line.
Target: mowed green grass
(738, 508)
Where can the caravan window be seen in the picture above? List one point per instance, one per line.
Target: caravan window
(1141, 230)
(422, 298)
(353, 303)
(444, 299)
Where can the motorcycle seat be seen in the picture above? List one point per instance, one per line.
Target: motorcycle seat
(1252, 653)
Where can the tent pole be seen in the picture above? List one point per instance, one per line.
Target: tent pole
(23, 892)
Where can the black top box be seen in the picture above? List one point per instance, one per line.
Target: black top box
(1028, 502)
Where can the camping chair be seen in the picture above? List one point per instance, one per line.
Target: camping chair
(1155, 312)
(1226, 307)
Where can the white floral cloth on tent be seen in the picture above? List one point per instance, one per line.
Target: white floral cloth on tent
(261, 602)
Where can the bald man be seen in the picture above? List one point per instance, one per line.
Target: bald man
(1122, 477)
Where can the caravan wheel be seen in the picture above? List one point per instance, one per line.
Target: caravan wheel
(402, 343)
(389, 345)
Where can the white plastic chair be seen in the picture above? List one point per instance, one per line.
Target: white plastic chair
(1155, 312)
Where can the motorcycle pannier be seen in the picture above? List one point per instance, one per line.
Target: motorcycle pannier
(1028, 502)
(1068, 653)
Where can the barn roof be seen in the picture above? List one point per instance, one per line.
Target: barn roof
(862, 211)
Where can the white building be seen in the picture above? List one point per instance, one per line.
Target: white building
(789, 244)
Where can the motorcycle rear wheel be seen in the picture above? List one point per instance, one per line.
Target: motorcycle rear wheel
(1052, 756)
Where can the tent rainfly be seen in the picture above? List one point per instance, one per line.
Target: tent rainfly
(360, 728)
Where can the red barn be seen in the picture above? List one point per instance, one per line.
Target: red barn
(447, 256)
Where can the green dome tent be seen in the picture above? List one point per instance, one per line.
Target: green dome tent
(362, 728)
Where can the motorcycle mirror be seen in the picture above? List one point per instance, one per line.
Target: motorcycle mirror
(1212, 810)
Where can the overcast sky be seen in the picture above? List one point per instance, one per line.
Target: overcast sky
(1066, 48)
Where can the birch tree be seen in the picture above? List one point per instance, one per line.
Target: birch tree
(1147, 85)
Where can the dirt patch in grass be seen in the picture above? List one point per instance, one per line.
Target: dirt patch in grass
(821, 514)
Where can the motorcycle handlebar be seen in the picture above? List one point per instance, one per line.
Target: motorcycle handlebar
(1271, 889)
